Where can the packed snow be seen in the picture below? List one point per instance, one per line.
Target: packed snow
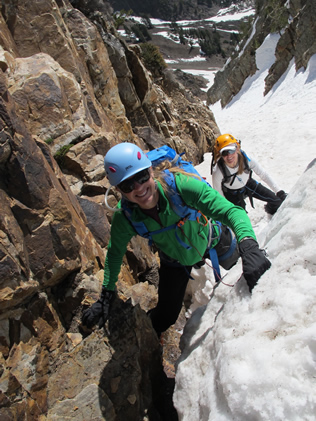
(230, 14)
(252, 357)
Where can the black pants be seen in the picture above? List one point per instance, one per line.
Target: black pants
(173, 281)
(255, 190)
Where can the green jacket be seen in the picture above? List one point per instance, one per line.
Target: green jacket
(195, 194)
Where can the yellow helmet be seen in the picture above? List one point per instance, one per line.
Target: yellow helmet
(224, 140)
(221, 142)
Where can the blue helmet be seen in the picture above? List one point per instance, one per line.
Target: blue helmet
(124, 160)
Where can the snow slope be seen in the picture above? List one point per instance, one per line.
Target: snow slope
(253, 357)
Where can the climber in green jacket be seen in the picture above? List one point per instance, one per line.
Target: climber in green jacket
(146, 195)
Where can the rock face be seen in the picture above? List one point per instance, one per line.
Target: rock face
(69, 90)
(297, 26)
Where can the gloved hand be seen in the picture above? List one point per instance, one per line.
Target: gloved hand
(254, 261)
(99, 311)
(281, 195)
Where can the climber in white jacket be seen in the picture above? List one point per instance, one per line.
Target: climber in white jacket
(232, 170)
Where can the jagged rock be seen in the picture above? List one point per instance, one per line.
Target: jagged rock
(98, 65)
(84, 406)
(297, 40)
(143, 294)
(193, 83)
(150, 136)
(5, 148)
(84, 79)
(46, 238)
(229, 81)
(121, 372)
(124, 75)
(97, 221)
(59, 91)
(83, 161)
(46, 96)
(25, 370)
(91, 8)
(143, 264)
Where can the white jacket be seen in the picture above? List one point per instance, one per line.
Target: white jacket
(241, 179)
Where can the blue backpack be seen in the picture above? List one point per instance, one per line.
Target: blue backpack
(184, 212)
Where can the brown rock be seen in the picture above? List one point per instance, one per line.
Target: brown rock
(60, 91)
(118, 364)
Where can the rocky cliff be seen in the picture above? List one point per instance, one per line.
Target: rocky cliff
(69, 90)
(295, 20)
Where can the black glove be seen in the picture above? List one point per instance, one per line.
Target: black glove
(281, 195)
(254, 261)
(99, 311)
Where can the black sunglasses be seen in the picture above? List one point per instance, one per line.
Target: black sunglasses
(128, 185)
(229, 152)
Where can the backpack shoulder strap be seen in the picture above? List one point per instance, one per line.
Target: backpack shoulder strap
(177, 203)
(226, 174)
(224, 170)
(246, 160)
(246, 163)
(184, 212)
(140, 226)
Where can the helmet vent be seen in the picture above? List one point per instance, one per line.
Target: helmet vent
(112, 169)
(139, 155)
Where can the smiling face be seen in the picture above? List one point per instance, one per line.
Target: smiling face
(145, 195)
(231, 160)
(230, 155)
